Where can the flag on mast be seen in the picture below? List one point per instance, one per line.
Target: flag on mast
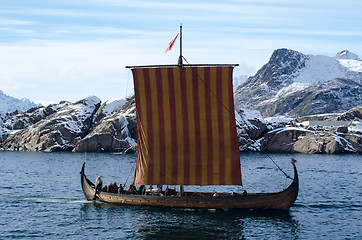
(171, 43)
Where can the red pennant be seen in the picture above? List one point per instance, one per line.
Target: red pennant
(171, 44)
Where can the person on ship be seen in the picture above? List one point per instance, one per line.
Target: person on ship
(115, 187)
(110, 188)
(99, 183)
(142, 190)
(98, 186)
(120, 189)
(132, 189)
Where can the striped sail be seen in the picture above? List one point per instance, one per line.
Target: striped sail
(186, 126)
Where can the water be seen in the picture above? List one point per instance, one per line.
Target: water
(41, 198)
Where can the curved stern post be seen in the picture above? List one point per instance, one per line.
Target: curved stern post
(87, 185)
(294, 186)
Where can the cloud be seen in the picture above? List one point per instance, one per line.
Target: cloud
(71, 70)
(71, 49)
(12, 22)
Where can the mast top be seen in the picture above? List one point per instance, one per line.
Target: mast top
(180, 62)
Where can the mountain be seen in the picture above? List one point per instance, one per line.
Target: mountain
(295, 84)
(89, 125)
(59, 127)
(11, 104)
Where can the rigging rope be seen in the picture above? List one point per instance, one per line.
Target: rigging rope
(233, 115)
(286, 175)
(128, 176)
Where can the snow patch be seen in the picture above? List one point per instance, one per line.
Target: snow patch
(353, 65)
(319, 69)
(113, 106)
(278, 120)
(294, 87)
(356, 127)
(250, 115)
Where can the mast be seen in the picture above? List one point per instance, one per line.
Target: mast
(180, 63)
(181, 193)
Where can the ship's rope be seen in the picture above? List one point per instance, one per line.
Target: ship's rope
(286, 175)
(232, 114)
(129, 174)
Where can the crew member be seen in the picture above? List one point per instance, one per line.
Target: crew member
(99, 183)
(98, 186)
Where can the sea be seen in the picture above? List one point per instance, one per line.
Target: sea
(41, 198)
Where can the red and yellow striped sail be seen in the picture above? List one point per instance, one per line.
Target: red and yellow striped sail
(186, 126)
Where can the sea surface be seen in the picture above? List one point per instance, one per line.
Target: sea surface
(41, 198)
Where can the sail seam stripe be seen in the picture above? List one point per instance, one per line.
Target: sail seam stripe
(173, 126)
(209, 130)
(149, 121)
(221, 136)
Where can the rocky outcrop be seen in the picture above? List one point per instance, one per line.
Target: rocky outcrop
(18, 121)
(250, 127)
(110, 132)
(281, 140)
(354, 114)
(110, 135)
(300, 140)
(108, 108)
(299, 137)
(32, 116)
(59, 131)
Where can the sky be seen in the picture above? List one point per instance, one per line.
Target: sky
(68, 50)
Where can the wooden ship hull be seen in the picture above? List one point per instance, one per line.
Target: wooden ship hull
(279, 200)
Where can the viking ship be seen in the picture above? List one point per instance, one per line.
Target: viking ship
(186, 134)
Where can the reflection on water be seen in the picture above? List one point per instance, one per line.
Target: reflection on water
(166, 223)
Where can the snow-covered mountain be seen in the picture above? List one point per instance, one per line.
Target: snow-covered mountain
(59, 127)
(290, 80)
(11, 104)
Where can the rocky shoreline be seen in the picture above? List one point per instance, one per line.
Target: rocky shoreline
(92, 126)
